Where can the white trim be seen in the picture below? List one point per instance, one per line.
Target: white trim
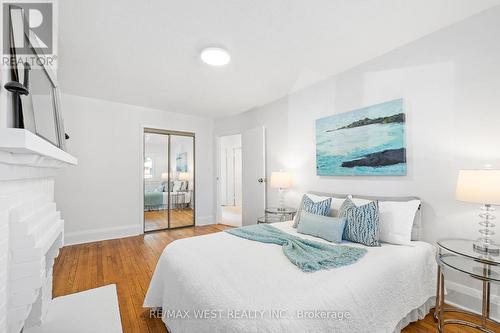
(94, 235)
(218, 215)
(21, 147)
(459, 290)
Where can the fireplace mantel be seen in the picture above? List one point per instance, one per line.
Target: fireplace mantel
(31, 228)
(23, 148)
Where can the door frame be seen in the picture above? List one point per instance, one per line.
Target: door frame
(218, 155)
(234, 175)
(169, 133)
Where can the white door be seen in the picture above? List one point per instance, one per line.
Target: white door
(253, 145)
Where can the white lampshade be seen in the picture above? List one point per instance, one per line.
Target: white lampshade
(281, 179)
(479, 186)
(183, 176)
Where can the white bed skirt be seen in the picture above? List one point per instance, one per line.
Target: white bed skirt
(416, 314)
(255, 275)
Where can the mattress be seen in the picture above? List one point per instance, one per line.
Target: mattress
(176, 198)
(223, 283)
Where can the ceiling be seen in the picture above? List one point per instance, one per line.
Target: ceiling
(147, 52)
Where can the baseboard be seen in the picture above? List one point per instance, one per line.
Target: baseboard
(469, 299)
(205, 220)
(94, 235)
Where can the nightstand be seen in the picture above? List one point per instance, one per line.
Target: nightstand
(459, 255)
(269, 219)
(284, 214)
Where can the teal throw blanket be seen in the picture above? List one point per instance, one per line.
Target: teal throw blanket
(153, 199)
(309, 256)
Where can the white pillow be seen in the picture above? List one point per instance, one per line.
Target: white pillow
(395, 219)
(316, 198)
(336, 204)
(177, 186)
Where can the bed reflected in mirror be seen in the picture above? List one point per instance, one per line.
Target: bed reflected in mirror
(168, 180)
(182, 181)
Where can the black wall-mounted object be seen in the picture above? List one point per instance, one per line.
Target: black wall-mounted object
(24, 117)
(18, 89)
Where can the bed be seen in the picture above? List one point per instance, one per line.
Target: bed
(248, 286)
(156, 200)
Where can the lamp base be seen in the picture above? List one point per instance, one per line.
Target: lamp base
(486, 248)
(281, 204)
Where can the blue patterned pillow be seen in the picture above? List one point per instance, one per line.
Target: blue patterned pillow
(362, 222)
(309, 206)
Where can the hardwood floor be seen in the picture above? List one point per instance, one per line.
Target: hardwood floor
(130, 262)
(158, 219)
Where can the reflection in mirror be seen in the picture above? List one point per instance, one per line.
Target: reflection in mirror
(42, 94)
(155, 181)
(181, 168)
(168, 173)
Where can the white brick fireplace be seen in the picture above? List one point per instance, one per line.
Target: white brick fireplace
(31, 228)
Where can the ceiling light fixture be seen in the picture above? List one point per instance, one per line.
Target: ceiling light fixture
(215, 56)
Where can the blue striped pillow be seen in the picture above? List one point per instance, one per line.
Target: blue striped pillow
(362, 224)
(309, 206)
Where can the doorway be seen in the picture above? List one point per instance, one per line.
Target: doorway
(168, 179)
(230, 180)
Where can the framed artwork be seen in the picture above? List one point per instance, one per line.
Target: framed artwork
(181, 162)
(39, 97)
(364, 142)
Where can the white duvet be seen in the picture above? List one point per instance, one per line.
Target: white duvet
(223, 283)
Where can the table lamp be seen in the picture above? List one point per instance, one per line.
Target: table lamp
(481, 186)
(281, 180)
(183, 176)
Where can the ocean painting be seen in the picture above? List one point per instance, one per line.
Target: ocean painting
(181, 162)
(364, 142)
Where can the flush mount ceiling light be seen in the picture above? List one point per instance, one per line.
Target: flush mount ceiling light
(215, 56)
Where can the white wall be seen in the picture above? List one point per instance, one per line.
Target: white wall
(102, 197)
(450, 82)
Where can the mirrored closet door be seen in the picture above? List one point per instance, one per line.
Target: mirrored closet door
(168, 179)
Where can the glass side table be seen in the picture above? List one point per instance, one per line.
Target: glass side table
(269, 219)
(459, 255)
(284, 214)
